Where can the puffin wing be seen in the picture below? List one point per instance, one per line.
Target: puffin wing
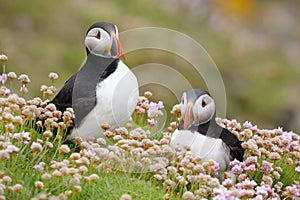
(84, 97)
(79, 92)
(63, 99)
(234, 145)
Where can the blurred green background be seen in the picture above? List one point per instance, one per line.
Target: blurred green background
(255, 45)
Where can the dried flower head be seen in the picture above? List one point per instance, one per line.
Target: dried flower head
(24, 79)
(12, 75)
(64, 149)
(3, 58)
(188, 196)
(39, 185)
(125, 197)
(36, 147)
(53, 76)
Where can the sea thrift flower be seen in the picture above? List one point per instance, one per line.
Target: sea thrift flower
(12, 75)
(94, 177)
(266, 167)
(48, 134)
(12, 149)
(83, 169)
(148, 94)
(56, 173)
(4, 154)
(155, 109)
(222, 194)
(75, 156)
(6, 180)
(151, 122)
(46, 177)
(49, 145)
(125, 197)
(74, 181)
(17, 188)
(64, 149)
(38, 167)
(39, 185)
(77, 188)
(188, 196)
(246, 184)
(227, 183)
(24, 79)
(53, 76)
(274, 156)
(297, 169)
(237, 169)
(36, 147)
(251, 160)
(250, 168)
(3, 58)
(3, 78)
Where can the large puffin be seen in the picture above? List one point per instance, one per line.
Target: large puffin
(199, 131)
(104, 90)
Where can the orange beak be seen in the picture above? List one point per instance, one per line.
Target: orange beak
(120, 50)
(187, 117)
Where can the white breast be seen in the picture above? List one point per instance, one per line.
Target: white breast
(116, 100)
(205, 147)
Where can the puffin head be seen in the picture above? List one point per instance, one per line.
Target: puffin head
(197, 108)
(102, 40)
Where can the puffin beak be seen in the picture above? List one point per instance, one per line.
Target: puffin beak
(188, 118)
(116, 47)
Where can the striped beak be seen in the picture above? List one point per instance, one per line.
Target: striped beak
(188, 117)
(116, 47)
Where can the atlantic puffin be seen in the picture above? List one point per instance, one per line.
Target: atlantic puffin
(199, 131)
(104, 91)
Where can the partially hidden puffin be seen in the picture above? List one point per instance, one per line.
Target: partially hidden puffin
(104, 90)
(199, 131)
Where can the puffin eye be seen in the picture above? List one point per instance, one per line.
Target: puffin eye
(98, 36)
(203, 104)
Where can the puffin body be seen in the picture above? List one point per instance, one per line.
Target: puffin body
(104, 90)
(199, 131)
(205, 147)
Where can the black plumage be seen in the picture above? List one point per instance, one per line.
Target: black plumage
(79, 91)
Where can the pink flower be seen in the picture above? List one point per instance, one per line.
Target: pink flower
(250, 168)
(88, 153)
(215, 168)
(3, 78)
(12, 149)
(223, 193)
(151, 122)
(36, 147)
(160, 105)
(246, 184)
(264, 190)
(237, 169)
(266, 167)
(251, 160)
(38, 167)
(234, 162)
(247, 125)
(148, 133)
(3, 58)
(297, 169)
(7, 91)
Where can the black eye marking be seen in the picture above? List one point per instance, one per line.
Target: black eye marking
(98, 35)
(203, 104)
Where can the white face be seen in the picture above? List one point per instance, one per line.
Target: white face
(204, 109)
(198, 112)
(99, 42)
